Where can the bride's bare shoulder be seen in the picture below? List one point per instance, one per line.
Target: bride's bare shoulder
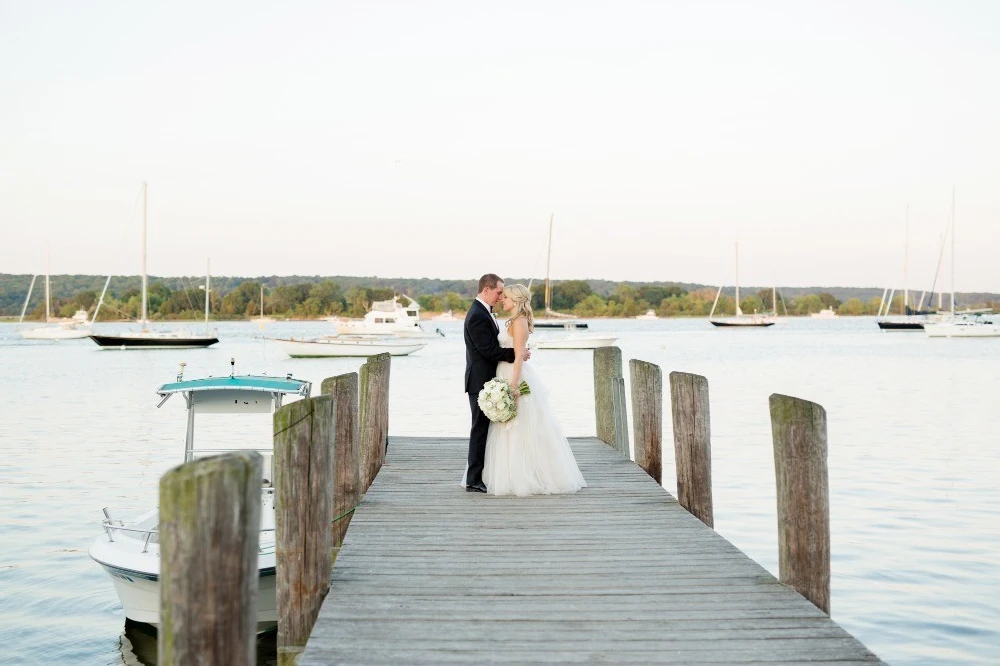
(519, 325)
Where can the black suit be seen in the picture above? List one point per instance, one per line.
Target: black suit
(482, 353)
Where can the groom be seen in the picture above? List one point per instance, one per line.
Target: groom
(482, 353)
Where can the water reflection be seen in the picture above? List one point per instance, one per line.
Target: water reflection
(137, 645)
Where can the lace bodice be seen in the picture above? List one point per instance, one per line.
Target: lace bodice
(504, 337)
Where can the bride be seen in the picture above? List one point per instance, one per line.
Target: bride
(527, 455)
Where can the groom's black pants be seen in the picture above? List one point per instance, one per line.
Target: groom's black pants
(477, 441)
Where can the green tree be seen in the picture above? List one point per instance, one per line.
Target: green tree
(565, 295)
(829, 301)
(242, 301)
(591, 306)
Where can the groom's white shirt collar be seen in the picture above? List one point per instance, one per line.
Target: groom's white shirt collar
(485, 304)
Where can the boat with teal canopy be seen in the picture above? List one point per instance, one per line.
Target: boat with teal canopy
(129, 547)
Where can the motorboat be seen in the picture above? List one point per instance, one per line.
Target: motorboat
(388, 318)
(128, 548)
(649, 316)
(150, 338)
(445, 316)
(825, 313)
(347, 345)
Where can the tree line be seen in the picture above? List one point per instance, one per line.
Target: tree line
(313, 297)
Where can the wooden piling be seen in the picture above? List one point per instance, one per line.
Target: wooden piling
(692, 444)
(607, 366)
(647, 416)
(374, 415)
(346, 456)
(621, 443)
(209, 531)
(303, 511)
(798, 429)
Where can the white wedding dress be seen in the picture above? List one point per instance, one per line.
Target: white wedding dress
(529, 454)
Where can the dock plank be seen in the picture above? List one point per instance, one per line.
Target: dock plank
(617, 573)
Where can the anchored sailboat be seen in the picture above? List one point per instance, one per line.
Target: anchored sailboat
(739, 319)
(73, 329)
(567, 320)
(969, 323)
(147, 338)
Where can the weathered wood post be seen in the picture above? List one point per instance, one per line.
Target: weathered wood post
(621, 416)
(209, 531)
(607, 366)
(798, 428)
(346, 456)
(692, 444)
(374, 414)
(647, 416)
(303, 510)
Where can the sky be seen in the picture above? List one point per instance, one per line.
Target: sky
(437, 139)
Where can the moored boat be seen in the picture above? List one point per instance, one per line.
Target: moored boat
(387, 318)
(740, 320)
(343, 345)
(577, 341)
(147, 338)
(129, 549)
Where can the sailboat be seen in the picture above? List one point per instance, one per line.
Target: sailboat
(147, 338)
(739, 319)
(262, 319)
(969, 323)
(73, 329)
(909, 319)
(568, 321)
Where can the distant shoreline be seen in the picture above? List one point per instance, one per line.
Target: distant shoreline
(6, 319)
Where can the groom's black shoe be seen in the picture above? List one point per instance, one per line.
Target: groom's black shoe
(476, 488)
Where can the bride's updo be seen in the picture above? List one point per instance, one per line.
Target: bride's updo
(522, 304)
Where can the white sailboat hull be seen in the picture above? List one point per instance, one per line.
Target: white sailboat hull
(962, 330)
(344, 347)
(55, 333)
(577, 342)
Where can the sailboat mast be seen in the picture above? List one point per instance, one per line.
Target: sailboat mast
(953, 253)
(906, 263)
(208, 290)
(738, 311)
(145, 308)
(548, 266)
(261, 301)
(48, 296)
(27, 299)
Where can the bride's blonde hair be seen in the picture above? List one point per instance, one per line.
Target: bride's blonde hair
(522, 304)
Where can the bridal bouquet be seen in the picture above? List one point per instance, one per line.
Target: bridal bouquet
(497, 399)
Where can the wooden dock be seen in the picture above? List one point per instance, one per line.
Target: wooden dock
(617, 573)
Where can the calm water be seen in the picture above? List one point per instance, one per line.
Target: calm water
(914, 465)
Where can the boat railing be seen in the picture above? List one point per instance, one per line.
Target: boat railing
(147, 535)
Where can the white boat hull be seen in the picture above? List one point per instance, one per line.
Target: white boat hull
(951, 330)
(341, 347)
(139, 594)
(55, 333)
(577, 342)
